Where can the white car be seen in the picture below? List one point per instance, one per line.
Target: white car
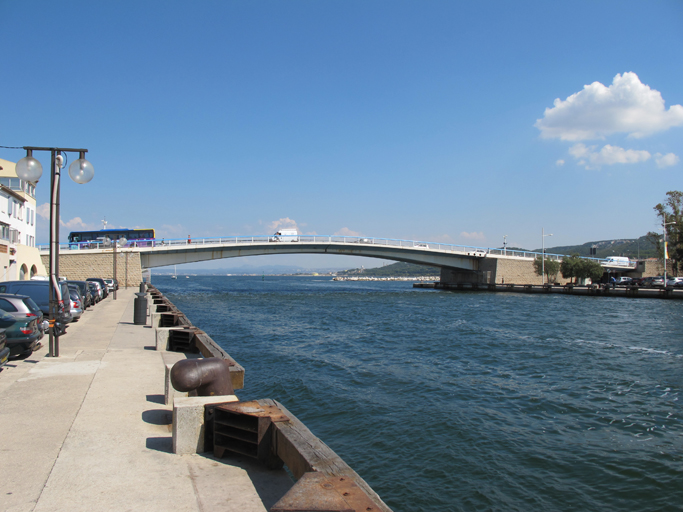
(676, 282)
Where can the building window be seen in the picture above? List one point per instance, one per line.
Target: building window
(4, 231)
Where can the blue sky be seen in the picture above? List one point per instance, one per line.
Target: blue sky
(445, 121)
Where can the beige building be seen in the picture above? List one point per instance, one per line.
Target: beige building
(19, 257)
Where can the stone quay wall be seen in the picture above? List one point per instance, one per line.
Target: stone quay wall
(521, 271)
(78, 266)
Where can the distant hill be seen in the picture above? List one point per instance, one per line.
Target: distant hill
(632, 247)
(398, 269)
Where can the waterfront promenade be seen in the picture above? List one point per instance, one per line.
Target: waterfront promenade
(89, 430)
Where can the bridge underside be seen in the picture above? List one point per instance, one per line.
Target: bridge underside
(163, 257)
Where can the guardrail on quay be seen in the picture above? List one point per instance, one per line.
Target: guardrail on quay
(265, 430)
(568, 289)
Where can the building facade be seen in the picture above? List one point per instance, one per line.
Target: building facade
(19, 257)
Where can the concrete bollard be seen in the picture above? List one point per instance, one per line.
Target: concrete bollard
(170, 393)
(188, 422)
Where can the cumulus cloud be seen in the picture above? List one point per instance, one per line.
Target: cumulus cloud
(666, 160)
(284, 223)
(559, 163)
(589, 157)
(473, 236)
(446, 239)
(626, 106)
(346, 232)
(43, 211)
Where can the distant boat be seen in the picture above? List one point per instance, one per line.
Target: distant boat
(187, 277)
(175, 273)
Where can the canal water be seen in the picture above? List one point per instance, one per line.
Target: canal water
(447, 401)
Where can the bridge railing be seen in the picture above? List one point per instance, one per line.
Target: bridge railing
(160, 244)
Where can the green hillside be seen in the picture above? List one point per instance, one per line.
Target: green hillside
(633, 248)
(398, 269)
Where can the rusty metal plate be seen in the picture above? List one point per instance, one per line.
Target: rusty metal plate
(315, 492)
(253, 408)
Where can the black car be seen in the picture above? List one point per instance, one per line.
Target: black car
(4, 351)
(39, 291)
(93, 292)
(28, 329)
(84, 287)
(99, 280)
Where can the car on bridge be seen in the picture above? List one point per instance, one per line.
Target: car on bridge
(285, 235)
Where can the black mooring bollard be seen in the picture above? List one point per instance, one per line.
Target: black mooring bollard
(209, 377)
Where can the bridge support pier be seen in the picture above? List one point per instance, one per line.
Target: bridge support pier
(456, 276)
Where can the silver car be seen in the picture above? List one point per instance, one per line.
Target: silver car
(76, 302)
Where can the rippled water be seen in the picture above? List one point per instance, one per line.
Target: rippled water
(465, 400)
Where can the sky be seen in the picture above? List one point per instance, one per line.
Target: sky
(445, 121)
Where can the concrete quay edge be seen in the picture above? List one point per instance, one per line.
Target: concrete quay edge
(90, 431)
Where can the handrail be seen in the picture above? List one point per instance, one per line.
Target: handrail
(302, 239)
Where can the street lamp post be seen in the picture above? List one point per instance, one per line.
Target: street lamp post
(666, 250)
(505, 243)
(81, 171)
(543, 235)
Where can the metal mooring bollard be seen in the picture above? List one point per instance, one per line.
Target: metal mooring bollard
(209, 377)
(140, 309)
(143, 287)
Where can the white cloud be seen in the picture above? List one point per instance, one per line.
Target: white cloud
(608, 155)
(446, 239)
(473, 236)
(626, 106)
(43, 210)
(284, 223)
(559, 163)
(346, 232)
(76, 223)
(666, 160)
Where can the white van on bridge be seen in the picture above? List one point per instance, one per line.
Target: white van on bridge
(285, 235)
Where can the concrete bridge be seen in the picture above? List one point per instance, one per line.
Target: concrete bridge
(458, 263)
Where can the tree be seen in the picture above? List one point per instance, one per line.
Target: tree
(671, 215)
(569, 266)
(551, 267)
(576, 267)
(592, 270)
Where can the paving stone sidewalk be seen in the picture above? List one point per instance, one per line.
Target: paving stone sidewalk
(89, 430)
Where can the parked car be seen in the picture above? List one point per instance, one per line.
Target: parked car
(624, 281)
(29, 327)
(102, 284)
(657, 282)
(76, 302)
(95, 291)
(85, 292)
(112, 284)
(39, 291)
(4, 350)
(676, 282)
(645, 282)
